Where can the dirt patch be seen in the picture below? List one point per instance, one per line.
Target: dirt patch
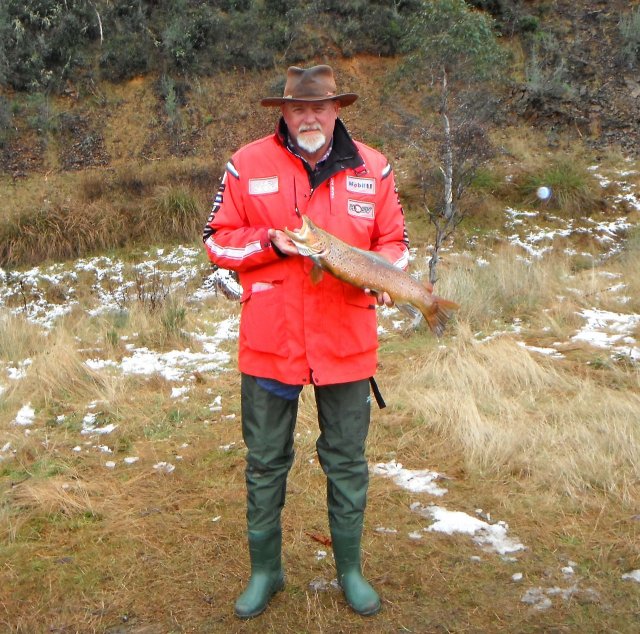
(82, 143)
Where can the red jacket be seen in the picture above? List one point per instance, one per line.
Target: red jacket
(292, 330)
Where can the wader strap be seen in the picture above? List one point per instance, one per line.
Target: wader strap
(377, 393)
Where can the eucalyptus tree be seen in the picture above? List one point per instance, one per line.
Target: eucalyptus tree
(452, 49)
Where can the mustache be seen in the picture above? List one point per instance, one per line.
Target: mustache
(310, 128)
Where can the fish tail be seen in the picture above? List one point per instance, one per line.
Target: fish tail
(438, 313)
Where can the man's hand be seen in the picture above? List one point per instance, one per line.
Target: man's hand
(282, 242)
(383, 299)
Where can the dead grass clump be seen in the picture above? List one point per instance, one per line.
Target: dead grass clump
(58, 374)
(93, 185)
(506, 287)
(626, 263)
(19, 339)
(53, 495)
(163, 325)
(507, 412)
(58, 231)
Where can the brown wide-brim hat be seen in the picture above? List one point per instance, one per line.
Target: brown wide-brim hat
(310, 84)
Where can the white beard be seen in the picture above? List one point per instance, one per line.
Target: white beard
(310, 143)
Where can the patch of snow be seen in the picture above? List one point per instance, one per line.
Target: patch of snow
(488, 536)
(421, 481)
(25, 416)
(634, 575)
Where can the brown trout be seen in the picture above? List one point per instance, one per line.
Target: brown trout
(366, 269)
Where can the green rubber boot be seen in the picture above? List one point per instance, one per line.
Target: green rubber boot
(267, 576)
(360, 596)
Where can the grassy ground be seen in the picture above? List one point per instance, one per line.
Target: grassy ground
(548, 446)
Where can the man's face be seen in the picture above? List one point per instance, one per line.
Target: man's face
(311, 124)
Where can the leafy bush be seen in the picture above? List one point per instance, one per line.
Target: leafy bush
(125, 56)
(190, 35)
(381, 35)
(43, 43)
(546, 69)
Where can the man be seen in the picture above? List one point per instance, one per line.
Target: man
(294, 332)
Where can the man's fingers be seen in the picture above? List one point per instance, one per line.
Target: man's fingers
(383, 298)
(283, 242)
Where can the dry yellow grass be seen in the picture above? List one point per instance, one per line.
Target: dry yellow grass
(509, 411)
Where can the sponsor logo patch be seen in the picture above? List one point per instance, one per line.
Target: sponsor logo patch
(360, 209)
(258, 186)
(361, 185)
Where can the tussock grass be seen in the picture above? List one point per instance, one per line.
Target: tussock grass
(58, 376)
(163, 324)
(507, 412)
(174, 213)
(19, 339)
(629, 260)
(507, 287)
(65, 216)
(574, 190)
(57, 231)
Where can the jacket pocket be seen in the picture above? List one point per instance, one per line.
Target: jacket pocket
(263, 323)
(359, 323)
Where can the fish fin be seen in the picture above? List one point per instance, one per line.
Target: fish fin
(316, 274)
(303, 249)
(413, 313)
(439, 313)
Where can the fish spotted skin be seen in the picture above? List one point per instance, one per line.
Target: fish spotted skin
(366, 269)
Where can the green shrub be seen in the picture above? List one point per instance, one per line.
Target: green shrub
(573, 188)
(44, 41)
(447, 33)
(546, 69)
(124, 56)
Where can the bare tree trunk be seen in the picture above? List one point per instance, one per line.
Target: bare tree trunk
(99, 23)
(444, 221)
(447, 171)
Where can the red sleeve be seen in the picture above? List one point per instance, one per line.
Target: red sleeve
(390, 238)
(230, 241)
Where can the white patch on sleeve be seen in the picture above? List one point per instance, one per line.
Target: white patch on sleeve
(231, 168)
(259, 186)
(403, 261)
(234, 253)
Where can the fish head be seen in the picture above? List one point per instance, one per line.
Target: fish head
(309, 239)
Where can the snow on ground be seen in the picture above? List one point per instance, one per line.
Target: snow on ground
(415, 481)
(604, 329)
